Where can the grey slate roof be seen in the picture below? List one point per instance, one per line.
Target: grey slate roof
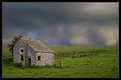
(37, 45)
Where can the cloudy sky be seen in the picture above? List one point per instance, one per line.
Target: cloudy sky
(62, 23)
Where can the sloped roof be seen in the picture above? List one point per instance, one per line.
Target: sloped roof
(37, 45)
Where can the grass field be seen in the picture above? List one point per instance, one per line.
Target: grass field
(78, 62)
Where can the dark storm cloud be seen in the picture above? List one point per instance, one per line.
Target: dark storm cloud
(53, 22)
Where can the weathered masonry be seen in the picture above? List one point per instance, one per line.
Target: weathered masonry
(32, 52)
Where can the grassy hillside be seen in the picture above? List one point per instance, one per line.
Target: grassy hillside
(78, 62)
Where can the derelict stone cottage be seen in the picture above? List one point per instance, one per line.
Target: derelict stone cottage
(32, 52)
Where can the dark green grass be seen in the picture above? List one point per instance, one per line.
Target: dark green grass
(101, 65)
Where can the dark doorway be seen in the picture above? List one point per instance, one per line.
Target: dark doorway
(21, 57)
(29, 62)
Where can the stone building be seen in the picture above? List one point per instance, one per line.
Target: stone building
(32, 52)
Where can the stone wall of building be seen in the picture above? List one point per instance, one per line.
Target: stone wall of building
(45, 59)
(32, 55)
(17, 52)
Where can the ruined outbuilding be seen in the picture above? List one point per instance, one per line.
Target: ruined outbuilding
(32, 52)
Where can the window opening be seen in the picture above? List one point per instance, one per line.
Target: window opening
(38, 57)
(22, 50)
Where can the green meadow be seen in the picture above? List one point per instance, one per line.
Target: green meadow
(78, 62)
